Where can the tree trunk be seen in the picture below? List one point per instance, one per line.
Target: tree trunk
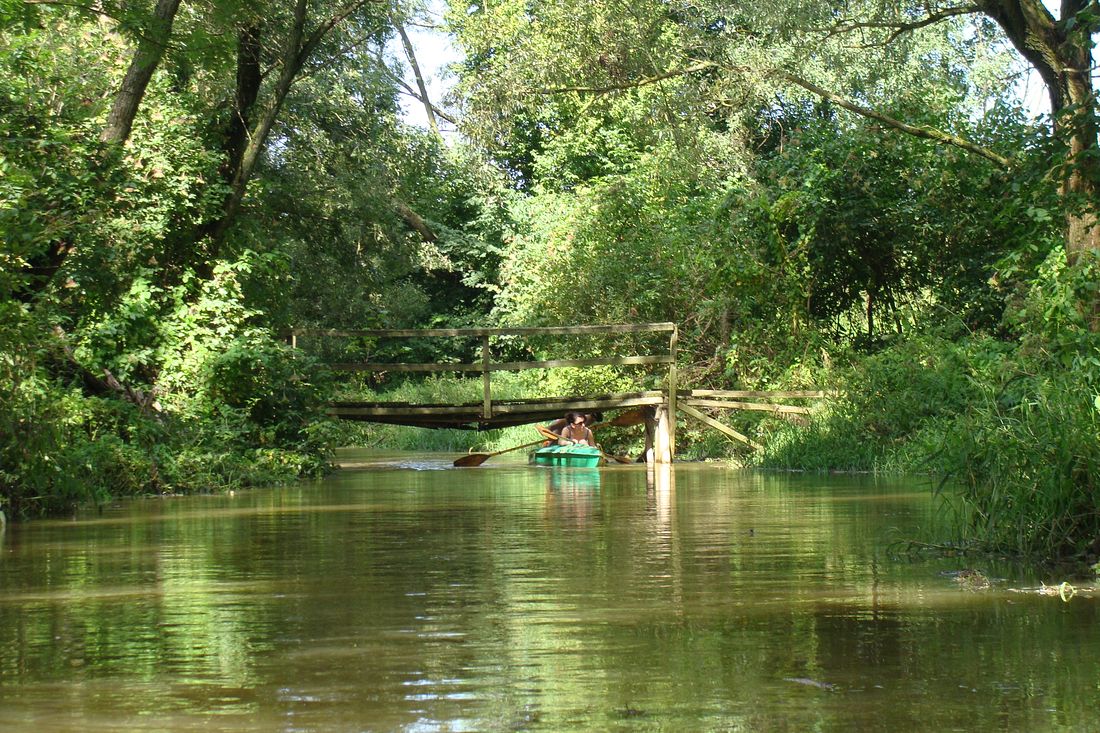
(249, 78)
(1081, 186)
(1062, 54)
(250, 156)
(296, 51)
(410, 53)
(150, 51)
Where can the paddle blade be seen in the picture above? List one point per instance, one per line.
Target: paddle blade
(628, 418)
(473, 459)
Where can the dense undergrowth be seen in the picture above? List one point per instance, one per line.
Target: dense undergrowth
(231, 406)
(1011, 426)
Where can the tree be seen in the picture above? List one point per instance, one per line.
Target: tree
(147, 56)
(858, 56)
(1060, 49)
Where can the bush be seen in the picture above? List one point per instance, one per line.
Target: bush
(884, 402)
(1012, 426)
(1027, 456)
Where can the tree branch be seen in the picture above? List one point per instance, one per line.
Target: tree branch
(414, 220)
(899, 26)
(410, 53)
(646, 81)
(439, 112)
(928, 133)
(322, 30)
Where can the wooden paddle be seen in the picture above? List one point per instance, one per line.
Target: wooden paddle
(476, 459)
(625, 419)
(554, 437)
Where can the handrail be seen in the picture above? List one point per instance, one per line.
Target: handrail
(477, 332)
(486, 366)
(507, 366)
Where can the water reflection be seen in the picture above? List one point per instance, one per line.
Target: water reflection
(521, 598)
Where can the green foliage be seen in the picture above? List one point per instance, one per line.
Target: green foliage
(1012, 426)
(1027, 451)
(883, 403)
(57, 447)
(113, 269)
(887, 225)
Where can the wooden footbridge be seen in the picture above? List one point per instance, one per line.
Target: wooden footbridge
(660, 405)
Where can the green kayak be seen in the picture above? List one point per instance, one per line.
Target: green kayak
(573, 456)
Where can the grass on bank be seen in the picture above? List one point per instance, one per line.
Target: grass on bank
(1011, 431)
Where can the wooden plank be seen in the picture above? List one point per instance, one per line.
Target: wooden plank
(742, 394)
(511, 366)
(367, 366)
(583, 404)
(516, 366)
(404, 410)
(612, 397)
(553, 408)
(758, 406)
(479, 332)
(720, 427)
(413, 422)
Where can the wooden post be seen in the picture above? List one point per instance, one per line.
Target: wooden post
(293, 339)
(673, 342)
(650, 432)
(662, 445)
(487, 396)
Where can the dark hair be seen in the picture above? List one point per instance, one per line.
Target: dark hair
(570, 417)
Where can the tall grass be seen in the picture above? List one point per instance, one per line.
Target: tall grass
(883, 404)
(1029, 465)
(1012, 425)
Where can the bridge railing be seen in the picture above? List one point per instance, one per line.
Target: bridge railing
(487, 365)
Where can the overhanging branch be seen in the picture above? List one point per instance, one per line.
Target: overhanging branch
(440, 113)
(898, 26)
(927, 133)
(635, 84)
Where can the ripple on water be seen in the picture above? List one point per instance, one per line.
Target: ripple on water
(407, 597)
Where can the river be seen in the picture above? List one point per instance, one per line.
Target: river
(406, 595)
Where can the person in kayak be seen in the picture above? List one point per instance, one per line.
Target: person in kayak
(576, 432)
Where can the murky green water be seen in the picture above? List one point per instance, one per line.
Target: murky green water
(408, 598)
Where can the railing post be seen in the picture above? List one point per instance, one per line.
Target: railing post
(673, 343)
(487, 396)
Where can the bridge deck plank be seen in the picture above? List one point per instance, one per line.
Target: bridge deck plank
(469, 416)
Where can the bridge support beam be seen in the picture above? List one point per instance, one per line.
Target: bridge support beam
(659, 436)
